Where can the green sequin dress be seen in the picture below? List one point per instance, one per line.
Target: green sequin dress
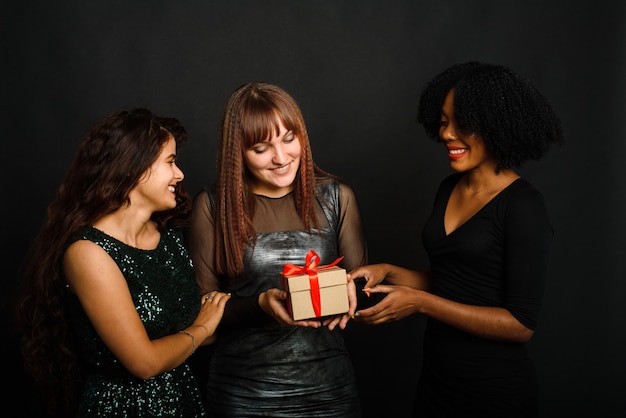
(163, 286)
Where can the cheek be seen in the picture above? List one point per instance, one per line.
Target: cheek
(296, 150)
(254, 161)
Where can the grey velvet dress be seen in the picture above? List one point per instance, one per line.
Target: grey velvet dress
(268, 369)
(166, 295)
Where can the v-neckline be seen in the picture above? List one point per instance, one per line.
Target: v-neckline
(478, 211)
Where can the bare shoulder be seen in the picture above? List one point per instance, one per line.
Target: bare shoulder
(85, 261)
(83, 250)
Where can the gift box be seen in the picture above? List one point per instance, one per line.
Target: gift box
(315, 291)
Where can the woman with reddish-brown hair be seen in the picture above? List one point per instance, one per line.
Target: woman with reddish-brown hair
(269, 206)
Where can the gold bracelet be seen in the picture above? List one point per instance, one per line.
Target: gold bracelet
(193, 340)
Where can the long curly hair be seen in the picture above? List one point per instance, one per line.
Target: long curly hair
(492, 101)
(111, 159)
(251, 115)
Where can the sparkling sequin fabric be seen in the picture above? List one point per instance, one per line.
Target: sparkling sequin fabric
(163, 286)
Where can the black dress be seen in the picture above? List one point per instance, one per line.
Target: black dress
(268, 369)
(165, 292)
(497, 258)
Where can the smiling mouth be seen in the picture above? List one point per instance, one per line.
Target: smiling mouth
(281, 168)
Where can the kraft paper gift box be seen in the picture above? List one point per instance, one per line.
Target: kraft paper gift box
(315, 291)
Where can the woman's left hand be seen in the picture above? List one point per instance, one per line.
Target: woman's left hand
(342, 320)
(399, 302)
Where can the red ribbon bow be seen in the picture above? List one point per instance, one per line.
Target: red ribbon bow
(311, 268)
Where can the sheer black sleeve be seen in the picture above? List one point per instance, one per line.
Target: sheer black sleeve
(352, 244)
(201, 245)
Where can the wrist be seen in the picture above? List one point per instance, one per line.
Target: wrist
(193, 340)
(200, 331)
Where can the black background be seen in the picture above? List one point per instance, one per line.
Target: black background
(356, 69)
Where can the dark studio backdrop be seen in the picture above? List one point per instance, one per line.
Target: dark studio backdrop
(356, 69)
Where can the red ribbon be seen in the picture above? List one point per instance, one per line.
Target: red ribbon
(311, 268)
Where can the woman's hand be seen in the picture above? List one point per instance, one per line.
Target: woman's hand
(392, 274)
(342, 320)
(210, 315)
(272, 301)
(373, 273)
(399, 302)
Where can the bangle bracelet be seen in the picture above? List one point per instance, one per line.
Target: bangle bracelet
(193, 340)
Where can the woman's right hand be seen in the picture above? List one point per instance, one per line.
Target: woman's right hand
(273, 301)
(373, 273)
(211, 312)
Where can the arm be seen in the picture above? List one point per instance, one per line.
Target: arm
(98, 283)
(527, 235)
(351, 244)
(403, 285)
(201, 243)
(408, 294)
(486, 322)
(351, 238)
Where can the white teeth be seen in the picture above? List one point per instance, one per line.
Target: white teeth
(456, 151)
(172, 189)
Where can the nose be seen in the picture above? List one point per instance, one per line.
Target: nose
(178, 173)
(280, 155)
(447, 133)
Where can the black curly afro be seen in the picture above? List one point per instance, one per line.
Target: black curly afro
(510, 114)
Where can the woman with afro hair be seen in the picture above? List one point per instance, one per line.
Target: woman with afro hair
(488, 240)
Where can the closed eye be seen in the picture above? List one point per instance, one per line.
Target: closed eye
(289, 137)
(259, 148)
